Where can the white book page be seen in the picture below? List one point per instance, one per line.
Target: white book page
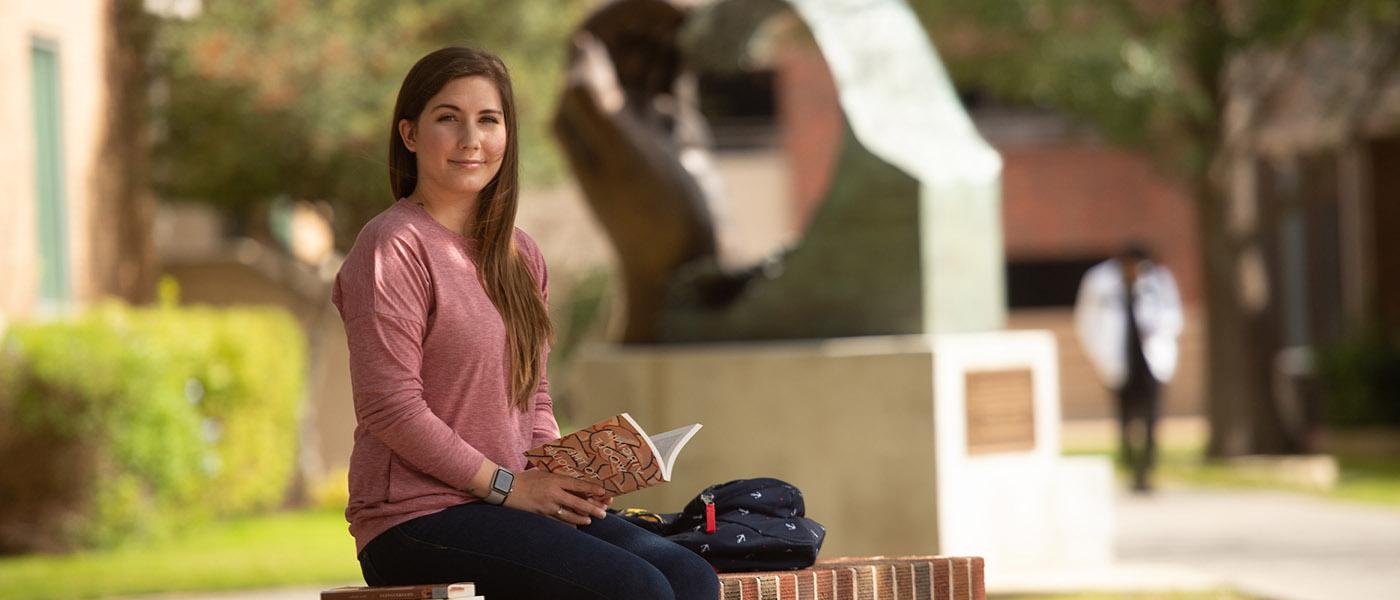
(668, 446)
(655, 454)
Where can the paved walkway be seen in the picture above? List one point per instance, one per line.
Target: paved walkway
(1271, 544)
(1274, 545)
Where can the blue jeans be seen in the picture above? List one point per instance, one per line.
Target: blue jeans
(513, 554)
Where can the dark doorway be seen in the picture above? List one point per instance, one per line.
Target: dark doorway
(1385, 206)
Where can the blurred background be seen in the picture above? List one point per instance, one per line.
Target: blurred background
(181, 179)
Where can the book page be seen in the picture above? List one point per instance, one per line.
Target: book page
(668, 446)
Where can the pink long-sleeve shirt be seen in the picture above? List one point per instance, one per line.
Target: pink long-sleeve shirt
(430, 371)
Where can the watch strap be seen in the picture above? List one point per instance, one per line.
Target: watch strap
(495, 497)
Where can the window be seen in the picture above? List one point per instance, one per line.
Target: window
(54, 288)
(1046, 283)
(740, 107)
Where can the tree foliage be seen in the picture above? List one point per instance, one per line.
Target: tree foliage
(262, 98)
(1146, 73)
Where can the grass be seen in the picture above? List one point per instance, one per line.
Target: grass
(1369, 479)
(1367, 476)
(304, 548)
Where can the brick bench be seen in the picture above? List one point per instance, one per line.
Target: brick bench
(864, 578)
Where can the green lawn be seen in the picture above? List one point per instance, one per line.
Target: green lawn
(1365, 476)
(1370, 479)
(305, 548)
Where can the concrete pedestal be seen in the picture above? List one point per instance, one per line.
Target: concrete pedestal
(902, 444)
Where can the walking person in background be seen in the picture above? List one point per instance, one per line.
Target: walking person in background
(1128, 318)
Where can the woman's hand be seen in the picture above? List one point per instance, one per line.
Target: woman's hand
(559, 497)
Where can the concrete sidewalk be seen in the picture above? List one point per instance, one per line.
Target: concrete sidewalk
(1274, 545)
(1271, 544)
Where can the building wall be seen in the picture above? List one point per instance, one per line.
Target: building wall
(77, 28)
(1078, 198)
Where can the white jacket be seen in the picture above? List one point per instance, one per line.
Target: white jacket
(1101, 321)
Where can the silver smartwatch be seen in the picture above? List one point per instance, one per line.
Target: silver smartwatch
(501, 483)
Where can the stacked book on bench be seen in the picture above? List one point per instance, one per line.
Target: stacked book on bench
(866, 578)
(441, 591)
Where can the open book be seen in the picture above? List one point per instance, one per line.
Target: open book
(615, 453)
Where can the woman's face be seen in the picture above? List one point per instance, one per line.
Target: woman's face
(460, 137)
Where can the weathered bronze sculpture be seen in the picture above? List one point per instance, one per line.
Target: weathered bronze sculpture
(623, 129)
(915, 190)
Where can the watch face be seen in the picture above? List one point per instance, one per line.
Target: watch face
(504, 479)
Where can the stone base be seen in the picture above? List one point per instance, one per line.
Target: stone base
(878, 434)
(1317, 472)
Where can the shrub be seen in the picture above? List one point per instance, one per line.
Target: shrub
(1361, 380)
(127, 422)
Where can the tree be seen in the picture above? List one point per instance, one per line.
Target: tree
(123, 249)
(268, 98)
(1160, 76)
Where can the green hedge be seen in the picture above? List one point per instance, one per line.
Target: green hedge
(126, 422)
(1361, 380)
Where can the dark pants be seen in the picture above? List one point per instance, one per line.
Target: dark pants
(513, 554)
(1139, 402)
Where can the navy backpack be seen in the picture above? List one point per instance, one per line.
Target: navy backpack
(742, 525)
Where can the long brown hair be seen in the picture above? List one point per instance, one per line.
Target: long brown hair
(503, 272)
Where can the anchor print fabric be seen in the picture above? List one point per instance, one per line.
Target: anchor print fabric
(610, 452)
(761, 525)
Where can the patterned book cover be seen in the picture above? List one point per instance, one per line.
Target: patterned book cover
(614, 452)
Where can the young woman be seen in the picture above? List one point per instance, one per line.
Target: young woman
(444, 308)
